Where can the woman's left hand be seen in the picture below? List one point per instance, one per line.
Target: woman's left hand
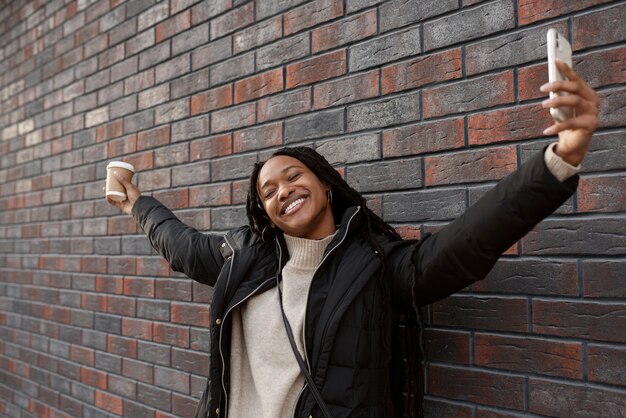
(575, 133)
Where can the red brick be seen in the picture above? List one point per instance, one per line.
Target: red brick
(477, 386)
(530, 11)
(141, 162)
(109, 402)
(604, 279)
(110, 130)
(94, 378)
(599, 28)
(316, 69)
(529, 355)
(173, 25)
(602, 194)
(607, 364)
(311, 14)
(435, 408)
(582, 320)
(209, 195)
(152, 266)
(93, 302)
(189, 314)
(174, 199)
(137, 328)
(216, 98)
(153, 138)
(171, 334)
(213, 146)
(122, 146)
(259, 85)
(121, 265)
(511, 124)
(122, 346)
(471, 166)
(447, 346)
(409, 231)
(421, 71)
(488, 313)
(346, 90)
(121, 305)
(139, 286)
(93, 264)
(348, 30)
(82, 355)
(423, 137)
(121, 226)
(530, 79)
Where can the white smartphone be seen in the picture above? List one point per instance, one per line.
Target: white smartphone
(558, 47)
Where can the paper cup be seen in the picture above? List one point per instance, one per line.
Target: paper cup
(114, 188)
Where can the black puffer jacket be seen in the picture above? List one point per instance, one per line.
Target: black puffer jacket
(347, 325)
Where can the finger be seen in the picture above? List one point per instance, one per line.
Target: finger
(122, 180)
(571, 100)
(587, 123)
(567, 70)
(572, 75)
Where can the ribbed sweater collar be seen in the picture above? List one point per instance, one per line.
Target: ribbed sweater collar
(306, 253)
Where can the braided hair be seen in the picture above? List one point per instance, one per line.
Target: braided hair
(344, 197)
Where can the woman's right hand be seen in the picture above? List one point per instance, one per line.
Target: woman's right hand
(132, 194)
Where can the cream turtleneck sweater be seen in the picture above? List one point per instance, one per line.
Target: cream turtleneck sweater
(265, 381)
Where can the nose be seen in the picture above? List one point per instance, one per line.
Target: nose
(285, 191)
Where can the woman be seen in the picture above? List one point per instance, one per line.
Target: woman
(308, 296)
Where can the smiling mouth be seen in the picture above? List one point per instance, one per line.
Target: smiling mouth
(293, 206)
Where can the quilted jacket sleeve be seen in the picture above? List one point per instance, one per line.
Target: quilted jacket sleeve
(466, 249)
(187, 250)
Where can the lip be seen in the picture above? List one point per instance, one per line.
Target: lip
(289, 201)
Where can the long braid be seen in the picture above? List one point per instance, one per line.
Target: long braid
(344, 197)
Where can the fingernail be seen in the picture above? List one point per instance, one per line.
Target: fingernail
(545, 103)
(544, 87)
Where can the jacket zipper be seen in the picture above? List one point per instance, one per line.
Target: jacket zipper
(220, 340)
(306, 358)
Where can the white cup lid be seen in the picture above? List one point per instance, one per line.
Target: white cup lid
(121, 164)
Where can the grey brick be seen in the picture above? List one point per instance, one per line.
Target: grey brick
(265, 8)
(314, 125)
(190, 128)
(424, 205)
(139, 121)
(397, 13)
(141, 42)
(384, 112)
(113, 18)
(236, 166)
(153, 16)
(171, 111)
(385, 175)
(134, 7)
(351, 149)
(112, 92)
(190, 39)
(223, 219)
(154, 353)
(173, 68)
(126, 30)
(98, 80)
(123, 107)
(107, 245)
(211, 53)
(231, 69)
(93, 339)
(257, 35)
(108, 323)
(285, 104)
(153, 96)
(233, 117)
(510, 49)
(153, 309)
(171, 155)
(108, 362)
(384, 49)
(189, 174)
(122, 386)
(153, 396)
(190, 83)
(282, 51)
(157, 54)
(138, 82)
(171, 379)
(468, 24)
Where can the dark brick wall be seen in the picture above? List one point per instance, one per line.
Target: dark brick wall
(421, 104)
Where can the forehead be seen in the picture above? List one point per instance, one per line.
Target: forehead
(276, 167)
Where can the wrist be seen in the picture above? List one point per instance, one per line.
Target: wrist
(572, 158)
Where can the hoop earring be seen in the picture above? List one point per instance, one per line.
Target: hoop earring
(329, 196)
(263, 232)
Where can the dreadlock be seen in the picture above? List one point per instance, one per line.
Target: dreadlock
(344, 197)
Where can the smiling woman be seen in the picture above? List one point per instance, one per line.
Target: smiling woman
(308, 296)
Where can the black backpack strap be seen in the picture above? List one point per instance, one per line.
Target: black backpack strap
(305, 371)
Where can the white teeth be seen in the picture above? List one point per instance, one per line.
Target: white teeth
(293, 205)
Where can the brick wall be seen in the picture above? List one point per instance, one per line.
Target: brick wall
(423, 105)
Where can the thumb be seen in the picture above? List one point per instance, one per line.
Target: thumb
(121, 179)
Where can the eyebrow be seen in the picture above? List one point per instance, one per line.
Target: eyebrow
(282, 171)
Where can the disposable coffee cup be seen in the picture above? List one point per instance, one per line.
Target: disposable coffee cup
(114, 188)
